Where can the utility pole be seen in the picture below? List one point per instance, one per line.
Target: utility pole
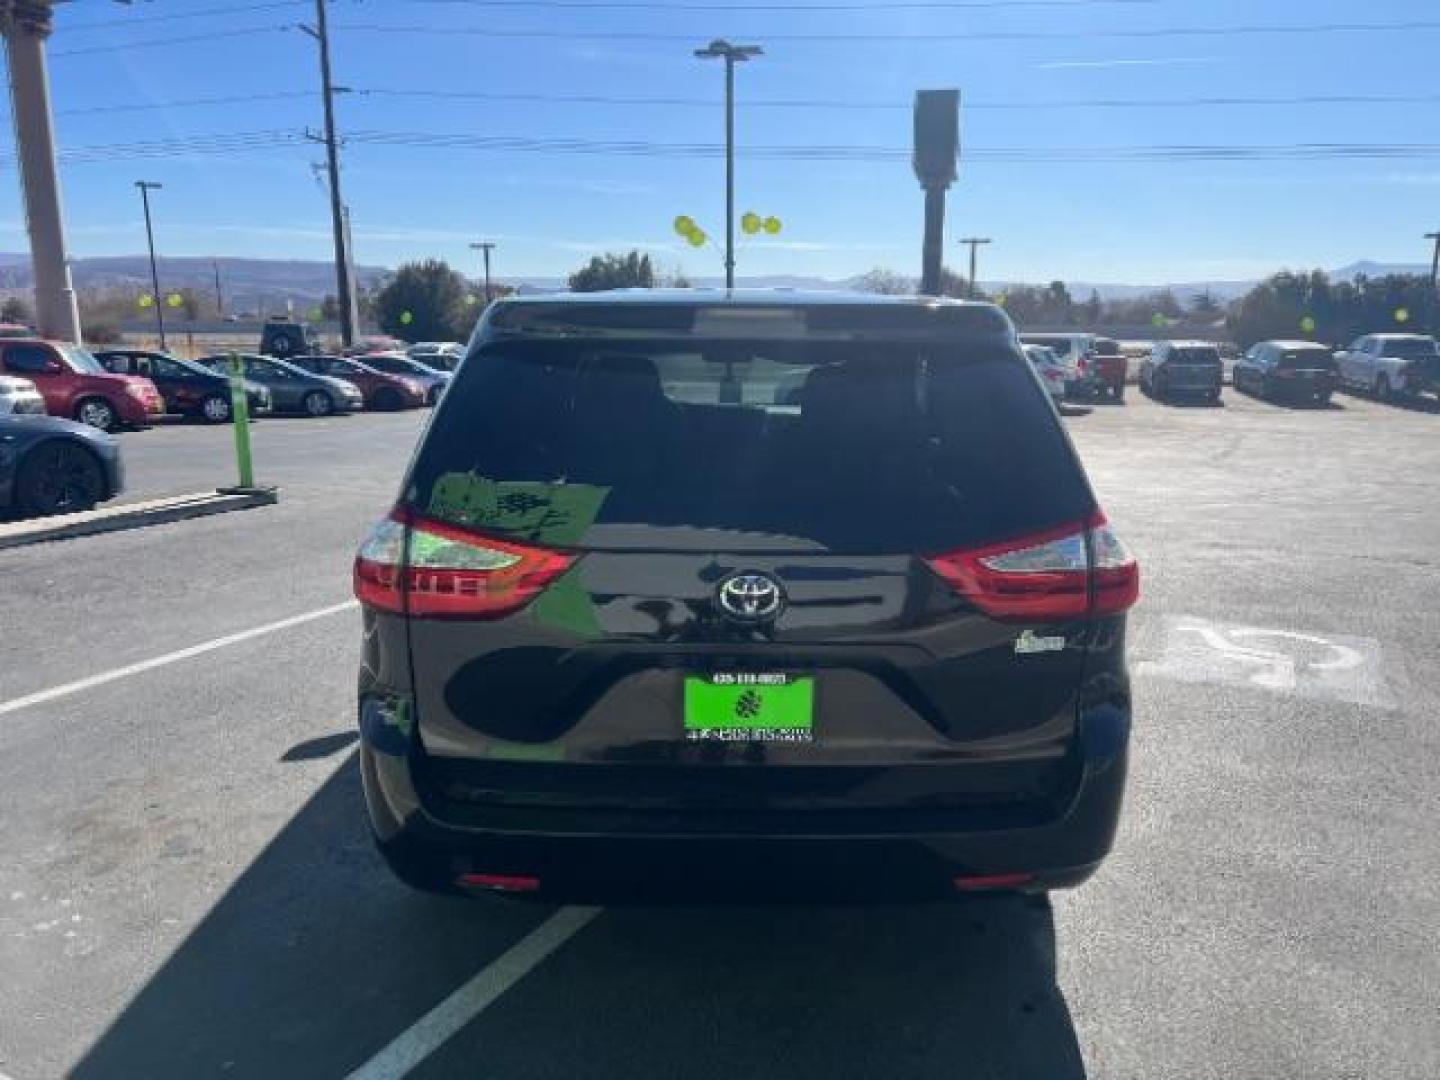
(146, 186)
(485, 246)
(26, 25)
(321, 33)
(732, 55)
(974, 242)
(219, 296)
(1434, 282)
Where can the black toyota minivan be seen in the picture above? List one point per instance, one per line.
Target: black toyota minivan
(709, 596)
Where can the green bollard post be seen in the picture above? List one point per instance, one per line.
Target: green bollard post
(240, 414)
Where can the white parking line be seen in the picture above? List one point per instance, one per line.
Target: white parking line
(42, 696)
(432, 1030)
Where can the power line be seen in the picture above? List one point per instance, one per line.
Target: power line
(147, 106)
(830, 6)
(1293, 29)
(175, 16)
(1414, 26)
(214, 35)
(778, 103)
(246, 141)
(822, 103)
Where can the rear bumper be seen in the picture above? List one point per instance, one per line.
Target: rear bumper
(612, 856)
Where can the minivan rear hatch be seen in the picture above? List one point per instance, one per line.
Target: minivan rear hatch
(902, 494)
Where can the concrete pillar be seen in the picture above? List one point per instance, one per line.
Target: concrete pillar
(26, 25)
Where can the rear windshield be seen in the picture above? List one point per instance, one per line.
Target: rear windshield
(1061, 345)
(1307, 360)
(846, 447)
(1106, 347)
(1407, 347)
(1195, 355)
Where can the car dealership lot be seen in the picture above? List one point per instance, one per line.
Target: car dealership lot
(187, 889)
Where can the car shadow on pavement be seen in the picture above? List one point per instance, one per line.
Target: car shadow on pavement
(309, 963)
(942, 990)
(315, 958)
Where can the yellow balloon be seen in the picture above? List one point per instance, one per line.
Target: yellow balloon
(750, 223)
(772, 226)
(1402, 314)
(684, 225)
(696, 237)
(174, 299)
(406, 318)
(146, 300)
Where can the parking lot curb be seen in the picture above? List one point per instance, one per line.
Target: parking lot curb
(134, 515)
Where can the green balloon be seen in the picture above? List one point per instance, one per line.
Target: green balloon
(406, 318)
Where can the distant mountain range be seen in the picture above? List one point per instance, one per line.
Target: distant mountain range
(249, 284)
(246, 284)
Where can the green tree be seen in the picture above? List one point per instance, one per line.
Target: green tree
(424, 301)
(15, 310)
(612, 271)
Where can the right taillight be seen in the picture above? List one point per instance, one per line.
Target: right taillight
(1049, 576)
(417, 566)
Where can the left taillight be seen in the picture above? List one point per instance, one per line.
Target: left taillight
(417, 566)
(1061, 574)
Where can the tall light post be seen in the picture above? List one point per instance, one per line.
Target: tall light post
(1432, 305)
(485, 246)
(146, 186)
(732, 54)
(974, 242)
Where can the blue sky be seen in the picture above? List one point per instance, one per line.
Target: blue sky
(1112, 221)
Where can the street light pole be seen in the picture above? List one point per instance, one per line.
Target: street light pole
(974, 242)
(146, 186)
(485, 246)
(1434, 281)
(732, 55)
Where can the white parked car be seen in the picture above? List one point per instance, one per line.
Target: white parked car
(1076, 352)
(1048, 366)
(19, 396)
(1390, 365)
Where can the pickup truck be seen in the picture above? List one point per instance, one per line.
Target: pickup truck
(1391, 366)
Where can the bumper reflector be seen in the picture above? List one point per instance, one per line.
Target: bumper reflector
(979, 882)
(514, 883)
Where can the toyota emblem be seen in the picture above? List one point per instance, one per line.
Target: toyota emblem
(750, 597)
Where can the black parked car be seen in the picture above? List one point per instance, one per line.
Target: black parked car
(294, 389)
(659, 628)
(1183, 369)
(53, 466)
(189, 389)
(1295, 371)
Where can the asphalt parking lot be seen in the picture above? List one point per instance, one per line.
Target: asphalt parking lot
(187, 889)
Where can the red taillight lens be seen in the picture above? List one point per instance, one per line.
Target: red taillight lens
(417, 566)
(1046, 577)
(1114, 573)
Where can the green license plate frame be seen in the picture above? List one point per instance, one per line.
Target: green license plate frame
(750, 707)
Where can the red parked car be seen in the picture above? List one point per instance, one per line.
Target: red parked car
(1111, 368)
(381, 389)
(75, 385)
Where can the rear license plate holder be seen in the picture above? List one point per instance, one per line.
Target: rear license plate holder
(749, 707)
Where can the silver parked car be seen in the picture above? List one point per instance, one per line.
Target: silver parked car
(1050, 369)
